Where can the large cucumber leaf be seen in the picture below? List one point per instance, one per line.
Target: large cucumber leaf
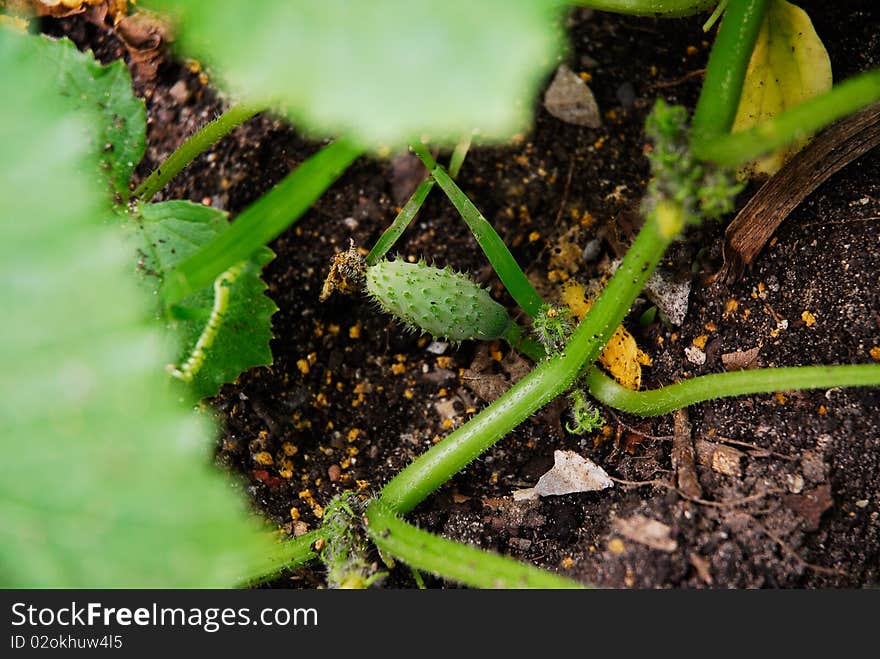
(106, 479)
(789, 65)
(223, 329)
(384, 71)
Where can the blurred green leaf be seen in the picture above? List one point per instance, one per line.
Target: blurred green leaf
(386, 71)
(170, 232)
(121, 117)
(106, 479)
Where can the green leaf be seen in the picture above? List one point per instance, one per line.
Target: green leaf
(106, 479)
(106, 91)
(238, 337)
(789, 65)
(385, 71)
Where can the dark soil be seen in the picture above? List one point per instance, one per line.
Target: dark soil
(352, 398)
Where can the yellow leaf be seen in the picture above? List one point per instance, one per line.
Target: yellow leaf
(788, 66)
(621, 356)
(575, 298)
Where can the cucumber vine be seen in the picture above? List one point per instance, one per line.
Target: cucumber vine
(212, 268)
(686, 187)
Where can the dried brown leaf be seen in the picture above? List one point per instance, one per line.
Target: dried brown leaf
(646, 531)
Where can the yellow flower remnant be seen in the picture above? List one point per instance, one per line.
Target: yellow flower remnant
(621, 356)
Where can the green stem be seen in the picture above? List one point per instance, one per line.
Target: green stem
(800, 121)
(724, 385)
(262, 221)
(506, 267)
(417, 577)
(424, 155)
(716, 14)
(468, 565)
(726, 70)
(401, 222)
(549, 379)
(519, 340)
(456, 160)
(408, 212)
(664, 8)
(286, 555)
(191, 148)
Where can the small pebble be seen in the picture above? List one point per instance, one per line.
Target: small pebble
(728, 460)
(437, 347)
(695, 355)
(588, 62)
(591, 251)
(179, 92)
(626, 94)
(570, 99)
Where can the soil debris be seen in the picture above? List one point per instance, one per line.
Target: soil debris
(811, 505)
(683, 456)
(670, 292)
(646, 531)
(571, 473)
(144, 36)
(741, 360)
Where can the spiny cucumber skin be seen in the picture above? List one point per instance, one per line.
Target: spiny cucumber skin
(446, 304)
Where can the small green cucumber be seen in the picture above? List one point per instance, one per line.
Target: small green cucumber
(446, 304)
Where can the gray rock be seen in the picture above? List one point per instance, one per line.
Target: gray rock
(570, 99)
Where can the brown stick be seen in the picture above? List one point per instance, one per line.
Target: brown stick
(683, 456)
(832, 150)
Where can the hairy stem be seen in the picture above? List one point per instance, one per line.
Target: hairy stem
(800, 121)
(716, 14)
(262, 221)
(456, 160)
(726, 70)
(666, 8)
(725, 385)
(286, 555)
(519, 340)
(506, 267)
(549, 379)
(192, 148)
(452, 560)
